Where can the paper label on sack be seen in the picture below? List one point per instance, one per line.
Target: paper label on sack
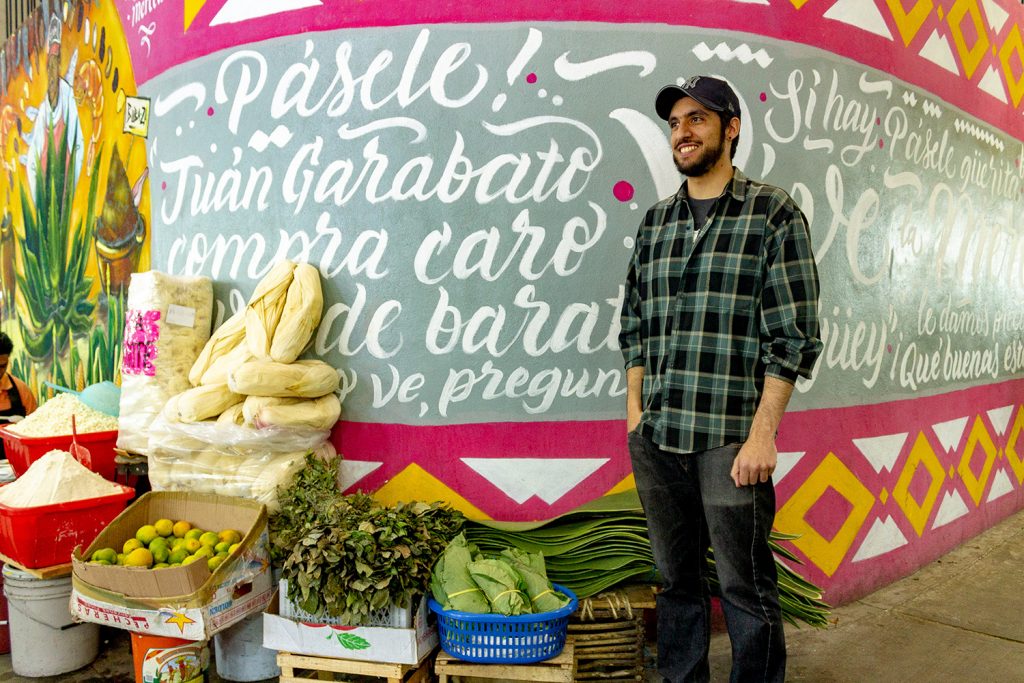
(141, 332)
(182, 316)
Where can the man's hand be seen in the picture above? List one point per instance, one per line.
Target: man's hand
(757, 457)
(755, 462)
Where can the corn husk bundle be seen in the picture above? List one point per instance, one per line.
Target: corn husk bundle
(253, 356)
(223, 341)
(202, 402)
(249, 388)
(271, 411)
(265, 308)
(301, 379)
(303, 307)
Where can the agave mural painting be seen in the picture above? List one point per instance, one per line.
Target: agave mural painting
(74, 190)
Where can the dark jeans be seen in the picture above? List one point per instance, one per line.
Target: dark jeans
(691, 502)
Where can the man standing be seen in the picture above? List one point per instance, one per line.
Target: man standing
(718, 321)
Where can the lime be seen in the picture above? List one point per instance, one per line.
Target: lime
(146, 534)
(140, 557)
(230, 536)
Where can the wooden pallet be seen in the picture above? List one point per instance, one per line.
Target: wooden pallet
(303, 668)
(558, 669)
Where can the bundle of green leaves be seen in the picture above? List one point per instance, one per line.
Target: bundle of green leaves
(510, 583)
(348, 556)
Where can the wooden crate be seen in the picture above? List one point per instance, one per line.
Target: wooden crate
(608, 634)
(558, 669)
(296, 668)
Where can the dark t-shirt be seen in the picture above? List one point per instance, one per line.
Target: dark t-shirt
(700, 208)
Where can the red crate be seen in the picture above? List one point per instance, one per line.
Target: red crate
(22, 451)
(44, 536)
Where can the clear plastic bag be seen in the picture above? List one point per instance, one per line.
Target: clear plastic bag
(167, 324)
(231, 460)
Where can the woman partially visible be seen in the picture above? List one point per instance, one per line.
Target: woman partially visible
(16, 399)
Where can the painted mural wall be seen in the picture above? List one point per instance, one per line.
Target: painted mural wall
(75, 202)
(469, 180)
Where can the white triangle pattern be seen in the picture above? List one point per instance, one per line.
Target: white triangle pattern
(884, 536)
(952, 507)
(1000, 418)
(882, 451)
(235, 11)
(863, 14)
(937, 50)
(949, 433)
(784, 463)
(351, 471)
(993, 85)
(1001, 485)
(997, 16)
(547, 478)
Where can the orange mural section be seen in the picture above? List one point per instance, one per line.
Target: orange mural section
(76, 200)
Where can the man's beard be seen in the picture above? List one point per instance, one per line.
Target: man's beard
(704, 161)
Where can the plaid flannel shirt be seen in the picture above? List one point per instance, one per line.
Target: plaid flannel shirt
(710, 312)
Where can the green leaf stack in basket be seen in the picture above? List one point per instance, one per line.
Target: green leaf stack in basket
(511, 583)
(604, 543)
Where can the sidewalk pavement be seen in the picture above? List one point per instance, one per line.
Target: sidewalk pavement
(958, 619)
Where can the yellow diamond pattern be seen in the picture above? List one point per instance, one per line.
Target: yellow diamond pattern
(799, 3)
(919, 512)
(1016, 459)
(970, 57)
(979, 436)
(831, 473)
(1013, 46)
(909, 23)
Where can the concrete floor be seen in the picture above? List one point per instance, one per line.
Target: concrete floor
(959, 619)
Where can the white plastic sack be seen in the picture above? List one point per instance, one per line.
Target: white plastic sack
(167, 323)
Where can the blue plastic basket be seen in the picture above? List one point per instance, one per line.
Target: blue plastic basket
(498, 639)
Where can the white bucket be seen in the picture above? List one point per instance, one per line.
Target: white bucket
(44, 639)
(240, 654)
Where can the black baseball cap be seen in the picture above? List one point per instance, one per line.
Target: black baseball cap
(713, 93)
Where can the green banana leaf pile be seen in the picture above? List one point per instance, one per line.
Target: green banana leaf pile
(604, 543)
(512, 582)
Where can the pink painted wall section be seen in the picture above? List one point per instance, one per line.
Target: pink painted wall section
(877, 491)
(873, 491)
(449, 453)
(969, 52)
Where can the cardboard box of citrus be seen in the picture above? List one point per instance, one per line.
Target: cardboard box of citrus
(153, 549)
(189, 600)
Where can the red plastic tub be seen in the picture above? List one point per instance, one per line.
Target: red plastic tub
(22, 451)
(45, 536)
